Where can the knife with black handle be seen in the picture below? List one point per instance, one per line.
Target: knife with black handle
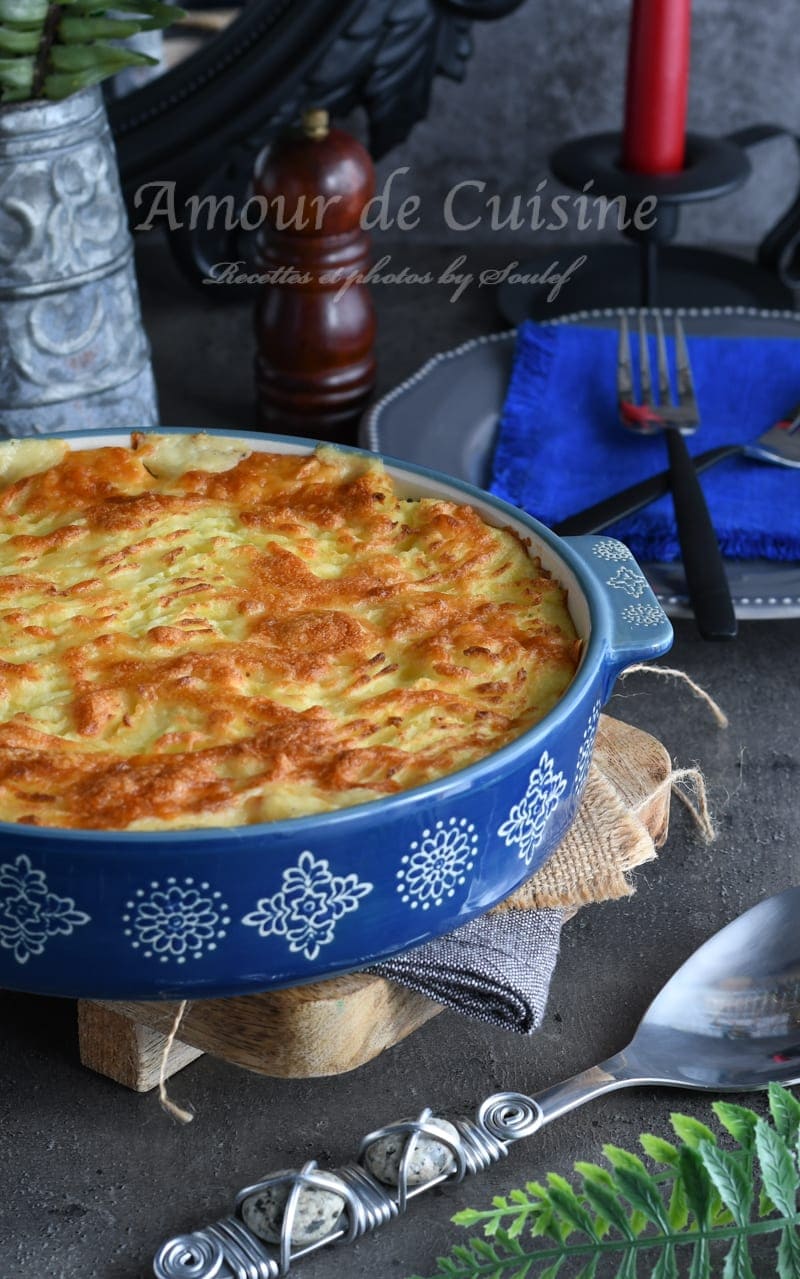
(595, 518)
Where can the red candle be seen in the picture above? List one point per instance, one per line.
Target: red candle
(658, 86)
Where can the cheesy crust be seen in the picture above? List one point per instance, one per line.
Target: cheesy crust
(194, 634)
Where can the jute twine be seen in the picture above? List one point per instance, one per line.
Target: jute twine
(688, 784)
(171, 1107)
(587, 866)
(669, 672)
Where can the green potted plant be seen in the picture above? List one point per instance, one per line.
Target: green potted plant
(73, 352)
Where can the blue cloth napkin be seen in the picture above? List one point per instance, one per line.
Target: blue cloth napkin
(561, 446)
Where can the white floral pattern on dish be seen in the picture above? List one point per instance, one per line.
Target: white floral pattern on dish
(308, 905)
(177, 923)
(526, 824)
(642, 614)
(587, 747)
(611, 551)
(437, 863)
(631, 581)
(29, 913)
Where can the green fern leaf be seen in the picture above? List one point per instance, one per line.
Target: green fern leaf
(604, 1200)
(690, 1131)
(627, 1269)
(785, 1110)
(711, 1196)
(789, 1254)
(701, 1261)
(595, 1174)
(737, 1262)
(468, 1217)
(678, 1209)
(483, 1249)
(638, 1187)
(511, 1245)
(533, 1190)
(662, 1152)
(666, 1267)
(446, 1265)
(551, 1226)
(516, 1227)
(739, 1121)
(619, 1158)
(590, 1269)
(778, 1169)
(765, 1205)
(569, 1207)
(731, 1180)
(696, 1184)
(543, 1225)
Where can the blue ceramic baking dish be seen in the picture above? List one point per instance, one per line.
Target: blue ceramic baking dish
(189, 914)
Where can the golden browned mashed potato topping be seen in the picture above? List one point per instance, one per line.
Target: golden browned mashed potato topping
(193, 634)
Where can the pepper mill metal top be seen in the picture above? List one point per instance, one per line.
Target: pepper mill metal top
(316, 123)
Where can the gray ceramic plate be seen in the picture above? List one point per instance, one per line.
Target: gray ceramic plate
(446, 415)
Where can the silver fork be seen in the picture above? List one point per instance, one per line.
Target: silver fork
(706, 580)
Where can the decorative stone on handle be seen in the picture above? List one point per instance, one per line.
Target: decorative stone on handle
(289, 1214)
(314, 1211)
(411, 1153)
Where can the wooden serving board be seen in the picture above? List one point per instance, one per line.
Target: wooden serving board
(334, 1026)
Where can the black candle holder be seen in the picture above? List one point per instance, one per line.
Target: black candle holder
(651, 270)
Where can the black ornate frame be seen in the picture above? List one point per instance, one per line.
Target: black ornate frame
(202, 124)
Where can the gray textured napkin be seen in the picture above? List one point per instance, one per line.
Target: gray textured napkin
(497, 968)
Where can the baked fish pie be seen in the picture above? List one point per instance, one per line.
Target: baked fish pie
(193, 634)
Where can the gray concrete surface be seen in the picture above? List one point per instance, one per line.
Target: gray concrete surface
(93, 1178)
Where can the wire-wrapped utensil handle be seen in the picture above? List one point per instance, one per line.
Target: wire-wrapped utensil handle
(290, 1214)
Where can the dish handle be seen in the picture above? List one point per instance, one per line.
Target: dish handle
(636, 626)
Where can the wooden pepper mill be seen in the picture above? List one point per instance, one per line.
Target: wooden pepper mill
(315, 324)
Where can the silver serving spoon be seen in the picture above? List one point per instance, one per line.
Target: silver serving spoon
(728, 1021)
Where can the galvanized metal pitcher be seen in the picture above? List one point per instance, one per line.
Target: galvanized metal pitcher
(73, 353)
